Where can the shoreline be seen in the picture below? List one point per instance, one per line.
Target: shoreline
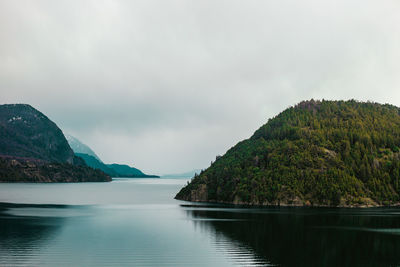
(295, 205)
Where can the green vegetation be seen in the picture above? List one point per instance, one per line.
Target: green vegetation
(26, 132)
(37, 171)
(34, 149)
(114, 170)
(334, 153)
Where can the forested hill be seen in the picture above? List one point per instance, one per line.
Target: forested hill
(34, 149)
(333, 153)
(26, 132)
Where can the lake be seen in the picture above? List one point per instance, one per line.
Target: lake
(136, 222)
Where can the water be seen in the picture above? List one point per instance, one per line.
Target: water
(136, 222)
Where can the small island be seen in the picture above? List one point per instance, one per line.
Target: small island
(317, 153)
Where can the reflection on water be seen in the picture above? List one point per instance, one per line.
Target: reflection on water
(115, 235)
(137, 222)
(133, 222)
(308, 237)
(21, 237)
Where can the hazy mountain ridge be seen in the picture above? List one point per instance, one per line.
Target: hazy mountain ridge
(78, 147)
(323, 153)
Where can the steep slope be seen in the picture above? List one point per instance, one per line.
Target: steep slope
(34, 149)
(329, 153)
(26, 132)
(80, 148)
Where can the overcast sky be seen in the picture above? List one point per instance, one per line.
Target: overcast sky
(168, 85)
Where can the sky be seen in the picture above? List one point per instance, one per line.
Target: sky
(166, 86)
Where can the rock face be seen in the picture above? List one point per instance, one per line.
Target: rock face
(26, 132)
(317, 153)
(34, 149)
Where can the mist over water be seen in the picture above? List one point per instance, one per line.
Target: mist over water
(136, 222)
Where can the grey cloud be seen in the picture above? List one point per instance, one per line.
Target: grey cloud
(167, 85)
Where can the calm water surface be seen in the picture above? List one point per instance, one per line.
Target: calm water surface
(136, 222)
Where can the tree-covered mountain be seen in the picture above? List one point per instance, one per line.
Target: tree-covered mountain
(26, 132)
(34, 149)
(333, 153)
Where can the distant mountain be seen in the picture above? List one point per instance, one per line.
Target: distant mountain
(182, 175)
(91, 159)
(34, 149)
(93, 162)
(114, 170)
(317, 153)
(127, 171)
(79, 147)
